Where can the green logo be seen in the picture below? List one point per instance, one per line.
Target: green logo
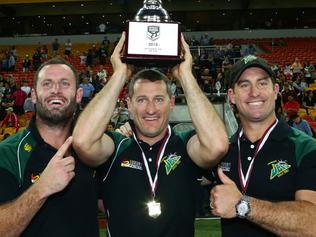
(279, 168)
(171, 162)
(249, 58)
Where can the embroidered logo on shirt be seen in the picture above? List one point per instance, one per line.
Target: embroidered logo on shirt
(171, 162)
(279, 168)
(34, 177)
(132, 164)
(225, 166)
(27, 147)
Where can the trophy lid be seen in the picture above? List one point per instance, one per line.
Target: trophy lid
(152, 11)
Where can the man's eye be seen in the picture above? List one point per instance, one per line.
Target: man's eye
(159, 100)
(65, 83)
(244, 85)
(47, 84)
(263, 83)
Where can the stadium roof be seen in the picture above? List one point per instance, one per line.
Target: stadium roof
(77, 17)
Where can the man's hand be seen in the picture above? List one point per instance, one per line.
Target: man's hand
(185, 67)
(58, 172)
(117, 64)
(224, 197)
(125, 130)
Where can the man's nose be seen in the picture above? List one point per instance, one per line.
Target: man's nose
(254, 91)
(151, 107)
(56, 87)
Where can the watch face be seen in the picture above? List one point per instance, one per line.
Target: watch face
(242, 208)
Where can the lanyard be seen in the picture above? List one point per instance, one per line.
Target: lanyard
(153, 183)
(244, 180)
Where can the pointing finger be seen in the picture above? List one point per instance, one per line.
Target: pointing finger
(64, 148)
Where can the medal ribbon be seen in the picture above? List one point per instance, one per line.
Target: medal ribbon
(153, 183)
(244, 180)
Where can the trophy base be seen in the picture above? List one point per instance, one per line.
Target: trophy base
(147, 61)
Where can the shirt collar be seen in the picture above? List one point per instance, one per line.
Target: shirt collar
(280, 132)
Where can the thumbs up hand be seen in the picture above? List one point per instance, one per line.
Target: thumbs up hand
(224, 197)
(58, 172)
(223, 177)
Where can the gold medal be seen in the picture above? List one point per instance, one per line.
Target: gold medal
(154, 209)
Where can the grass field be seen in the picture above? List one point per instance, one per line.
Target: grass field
(207, 228)
(203, 228)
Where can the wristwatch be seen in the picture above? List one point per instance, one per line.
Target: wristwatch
(243, 207)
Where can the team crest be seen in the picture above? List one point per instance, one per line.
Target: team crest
(27, 147)
(171, 162)
(279, 168)
(153, 32)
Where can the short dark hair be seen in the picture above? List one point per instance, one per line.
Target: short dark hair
(52, 61)
(151, 75)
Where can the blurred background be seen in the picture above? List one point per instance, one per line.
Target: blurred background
(58, 17)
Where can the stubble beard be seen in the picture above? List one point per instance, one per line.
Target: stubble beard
(150, 133)
(56, 117)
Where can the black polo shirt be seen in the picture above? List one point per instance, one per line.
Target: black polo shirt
(71, 212)
(286, 163)
(126, 188)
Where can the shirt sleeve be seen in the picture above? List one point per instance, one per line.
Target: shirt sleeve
(306, 175)
(9, 186)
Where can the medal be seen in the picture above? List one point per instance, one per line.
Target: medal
(154, 209)
(244, 179)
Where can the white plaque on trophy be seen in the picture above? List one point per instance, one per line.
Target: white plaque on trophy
(153, 38)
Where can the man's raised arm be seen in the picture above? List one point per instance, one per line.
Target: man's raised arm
(211, 141)
(90, 142)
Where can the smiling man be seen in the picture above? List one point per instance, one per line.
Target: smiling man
(267, 179)
(45, 190)
(150, 178)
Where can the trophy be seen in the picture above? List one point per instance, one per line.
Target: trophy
(152, 39)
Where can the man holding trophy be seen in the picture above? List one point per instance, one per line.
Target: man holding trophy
(149, 179)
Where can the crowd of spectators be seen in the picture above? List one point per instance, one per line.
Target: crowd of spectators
(8, 59)
(297, 97)
(15, 94)
(212, 65)
(297, 94)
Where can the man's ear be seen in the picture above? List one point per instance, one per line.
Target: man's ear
(172, 102)
(79, 95)
(129, 103)
(33, 96)
(231, 96)
(276, 90)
